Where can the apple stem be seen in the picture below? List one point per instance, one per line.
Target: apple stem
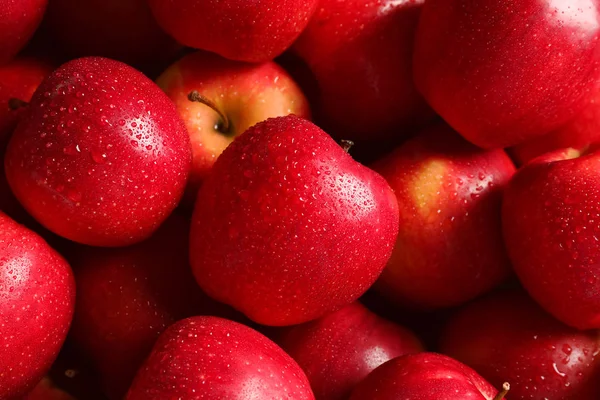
(504, 392)
(198, 98)
(15, 104)
(346, 145)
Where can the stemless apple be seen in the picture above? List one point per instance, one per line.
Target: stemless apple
(102, 157)
(288, 227)
(449, 247)
(128, 296)
(578, 133)
(502, 72)
(37, 297)
(425, 376)
(550, 222)
(231, 97)
(508, 337)
(252, 31)
(18, 22)
(214, 359)
(360, 52)
(124, 30)
(338, 350)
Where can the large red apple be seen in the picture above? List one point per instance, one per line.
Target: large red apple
(214, 359)
(102, 157)
(507, 337)
(37, 297)
(252, 31)
(128, 297)
(338, 350)
(18, 80)
(578, 133)
(425, 376)
(449, 247)
(551, 229)
(124, 30)
(288, 227)
(18, 21)
(231, 97)
(360, 52)
(503, 72)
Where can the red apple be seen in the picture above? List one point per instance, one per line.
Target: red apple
(232, 97)
(288, 227)
(128, 297)
(252, 31)
(449, 247)
(214, 359)
(45, 390)
(18, 22)
(124, 30)
(425, 376)
(503, 72)
(578, 133)
(550, 220)
(102, 157)
(508, 337)
(338, 350)
(18, 80)
(37, 297)
(360, 52)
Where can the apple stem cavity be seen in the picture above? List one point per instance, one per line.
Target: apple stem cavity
(15, 104)
(346, 145)
(224, 126)
(503, 392)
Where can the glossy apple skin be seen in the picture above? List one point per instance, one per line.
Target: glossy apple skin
(507, 337)
(288, 227)
(246, 93)
(123, 30)
(102, 157)
(18, 22)
(449, 247)
(578, 133)
(18, 79)
(501, 73)
(37, 297)
(127, 297)
(424, 376)
(550, 223)
(251, 31)
(340, 349)
(45, 390)
(364, 71)
(214, 359)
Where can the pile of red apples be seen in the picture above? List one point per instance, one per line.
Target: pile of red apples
(300, 199)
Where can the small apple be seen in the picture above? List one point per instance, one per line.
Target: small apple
(219, 99)
(127, 297)
(251, 31)
(45, 390)
(360, 52)
(18, 22)
(123, 30)
(504, 72)
(426, 376)
(551, 230)
(288, 227)
(578, 133)
(37, 297)
(507, 336)
(101, 157)
(214, 359)
(338, 350)
(449, 248)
